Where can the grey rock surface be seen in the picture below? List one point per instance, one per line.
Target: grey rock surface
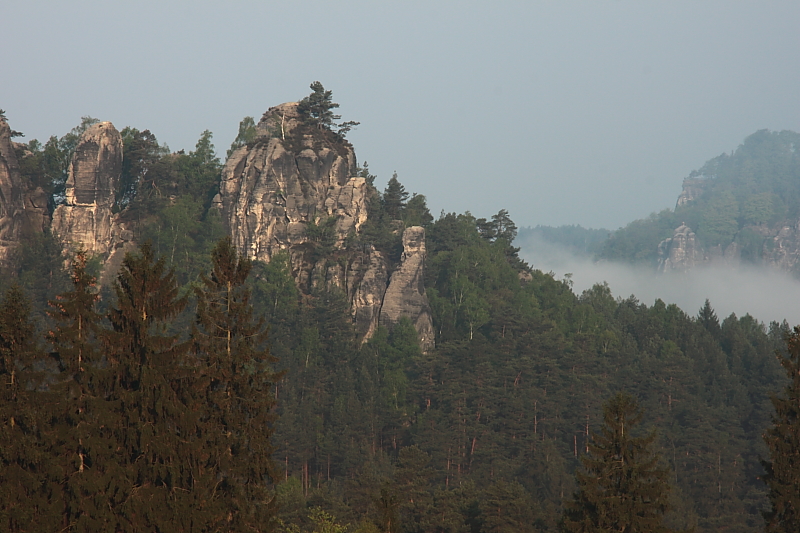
(271, 191)
(405, 296)
(23, 210)
(86, 218)
(294, 190)
(680, 252)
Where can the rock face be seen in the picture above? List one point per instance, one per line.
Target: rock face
(23, 211)
(782, 247)
(406, 293)
(271, 192)
(692, 189)
(11, 203)
(86, 218)
(293, 190)
(682, 252)
(369, 293)
(679, 252)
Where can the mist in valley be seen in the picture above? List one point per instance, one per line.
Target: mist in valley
(766, 294)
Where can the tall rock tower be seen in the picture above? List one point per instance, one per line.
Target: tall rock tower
(86, 218)
(296, 184)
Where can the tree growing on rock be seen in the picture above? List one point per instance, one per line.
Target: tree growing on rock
(317, 109)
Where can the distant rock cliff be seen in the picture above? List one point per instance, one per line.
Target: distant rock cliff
(271, 191)
(680, 252)
(296, 186)
(23, 209)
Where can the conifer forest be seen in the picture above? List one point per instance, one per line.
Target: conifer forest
(194, 386)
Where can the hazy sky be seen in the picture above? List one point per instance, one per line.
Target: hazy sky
(561, 112)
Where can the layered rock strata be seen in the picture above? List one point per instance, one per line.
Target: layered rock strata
(86, 218)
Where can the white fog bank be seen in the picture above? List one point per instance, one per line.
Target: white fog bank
(765, 294)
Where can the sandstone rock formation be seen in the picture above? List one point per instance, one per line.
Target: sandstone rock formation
(86, 218)
(271, 191)
(23, 210)
(782, 247)
(405, 296)
(294, 190)
(11, 202)
(691, 191)
(679, 252)
(368, 294)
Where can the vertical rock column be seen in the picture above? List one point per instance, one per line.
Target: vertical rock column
(406, 293)
(10, 195)
(86, 218)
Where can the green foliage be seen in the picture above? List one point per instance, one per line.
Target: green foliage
(620, 486)
(416, 212)
(576, 238)
(394, 198)
(317, 108)
(638, 241)
(235, 391)
(141, 155)
(750, 189)
(37, 266)
(783, 440)
(246, 134)
(363, 172)
(27, 477)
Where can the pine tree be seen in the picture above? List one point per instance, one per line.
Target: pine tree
(783, 441)
(621, 486)
(316, 107)
(236, 394)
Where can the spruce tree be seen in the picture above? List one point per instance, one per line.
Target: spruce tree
(394, 198)
(77, 321)
(73, 437)
(620, 487)
(236, 395)
(29, 499)
(783, 441)
(147, 475)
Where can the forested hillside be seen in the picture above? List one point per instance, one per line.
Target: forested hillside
(745, 199)
(482, 433)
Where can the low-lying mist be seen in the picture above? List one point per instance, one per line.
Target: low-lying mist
(765, 294)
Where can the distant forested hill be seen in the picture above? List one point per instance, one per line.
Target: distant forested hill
(575, 238)
(745, 203)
